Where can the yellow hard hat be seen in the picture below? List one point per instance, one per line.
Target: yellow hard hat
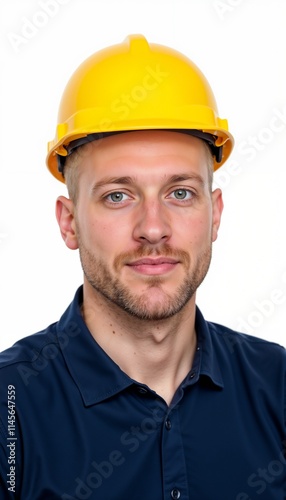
(136, 86)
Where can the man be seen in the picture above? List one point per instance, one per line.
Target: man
(132, 394)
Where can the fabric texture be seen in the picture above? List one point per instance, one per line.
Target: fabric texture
(80, 428)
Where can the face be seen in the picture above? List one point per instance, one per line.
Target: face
(144, 221)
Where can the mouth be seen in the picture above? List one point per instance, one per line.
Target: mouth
(151, 267)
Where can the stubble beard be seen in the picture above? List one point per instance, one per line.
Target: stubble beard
(143, 306)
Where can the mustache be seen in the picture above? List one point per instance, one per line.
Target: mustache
(147, 251)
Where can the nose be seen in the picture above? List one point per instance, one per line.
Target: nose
(153, 224)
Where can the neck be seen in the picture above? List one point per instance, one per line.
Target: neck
(156, 353)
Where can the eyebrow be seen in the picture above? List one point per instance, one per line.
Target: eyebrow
(186, 177)
(113, 180)
(128, 180)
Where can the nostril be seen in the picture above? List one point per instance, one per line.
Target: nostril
(154, 238)
(153, 224)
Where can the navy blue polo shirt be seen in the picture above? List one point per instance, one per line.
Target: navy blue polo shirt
(75, 426)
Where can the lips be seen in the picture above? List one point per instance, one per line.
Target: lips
(153, 262)
(153, 266)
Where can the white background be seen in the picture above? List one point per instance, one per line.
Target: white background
(240, 45)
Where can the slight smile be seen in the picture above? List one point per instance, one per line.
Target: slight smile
(153, 267)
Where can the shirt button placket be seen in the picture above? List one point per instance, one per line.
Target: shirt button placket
(173, 458)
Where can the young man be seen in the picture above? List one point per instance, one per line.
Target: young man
(132, 394)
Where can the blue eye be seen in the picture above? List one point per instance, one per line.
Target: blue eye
(116, 197)
(182, 194)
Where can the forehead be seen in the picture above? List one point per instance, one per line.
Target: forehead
(144, 153)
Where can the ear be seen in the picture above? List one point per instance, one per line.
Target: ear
(66, 221)
(217, 211)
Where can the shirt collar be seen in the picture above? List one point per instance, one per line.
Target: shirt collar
(209, 363)
(96, 375)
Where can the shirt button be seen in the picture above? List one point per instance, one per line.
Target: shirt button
(192, 374)
(175, 494)
(168, 424)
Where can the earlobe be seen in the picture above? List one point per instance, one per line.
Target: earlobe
(66, 221)
(217, 211)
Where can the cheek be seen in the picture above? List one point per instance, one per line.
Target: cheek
(197, 230)
(103, 238)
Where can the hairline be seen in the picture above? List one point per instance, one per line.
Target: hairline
(71, 169)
